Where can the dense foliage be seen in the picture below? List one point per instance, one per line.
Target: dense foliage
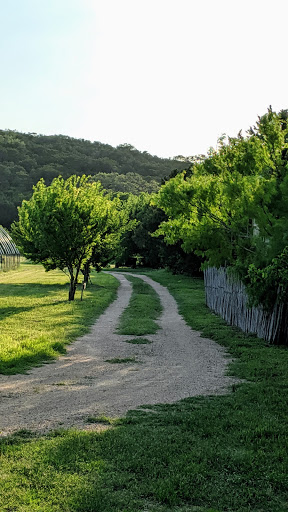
(130, 183)
(138, 246)
(25, 158)
(233, 209)
(68, 224)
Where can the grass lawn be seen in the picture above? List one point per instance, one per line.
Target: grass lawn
(37, 321)
(202, 454)
(144, 308)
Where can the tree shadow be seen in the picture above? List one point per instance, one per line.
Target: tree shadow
(103, 471)
(27, 360)
(81, 460)
(27, 289)
(10, 311)
(36, 290)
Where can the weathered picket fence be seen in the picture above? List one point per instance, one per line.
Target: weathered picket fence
(227, 297)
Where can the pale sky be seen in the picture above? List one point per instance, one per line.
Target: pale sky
(167, 76)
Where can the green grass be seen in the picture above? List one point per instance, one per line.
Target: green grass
(138, 341)
(117, 360)
(104, 420)
(205, 454)
(37, 321)
(144, 308)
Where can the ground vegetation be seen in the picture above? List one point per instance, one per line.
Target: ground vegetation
(208, 454)
(37, 321)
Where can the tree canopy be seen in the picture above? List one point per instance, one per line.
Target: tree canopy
(233, 209)
(25, 158)
(66, 224)
(138, 246)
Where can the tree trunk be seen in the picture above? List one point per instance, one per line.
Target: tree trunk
(73, 280)
(72, 289)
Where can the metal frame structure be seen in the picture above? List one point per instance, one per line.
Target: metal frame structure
(9, 254)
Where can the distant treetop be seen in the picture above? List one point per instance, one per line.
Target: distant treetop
(25, 158)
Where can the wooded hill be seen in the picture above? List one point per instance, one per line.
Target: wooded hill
(27, 157)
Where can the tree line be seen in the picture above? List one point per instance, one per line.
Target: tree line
(227, 209)
(75, 224)
(25, 158)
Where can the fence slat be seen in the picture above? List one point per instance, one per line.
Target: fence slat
(227, 297)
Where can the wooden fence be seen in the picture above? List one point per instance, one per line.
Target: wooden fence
(228, 298)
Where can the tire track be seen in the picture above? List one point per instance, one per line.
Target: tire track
(177, 364)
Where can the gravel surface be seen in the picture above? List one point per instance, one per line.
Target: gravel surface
(177, 364)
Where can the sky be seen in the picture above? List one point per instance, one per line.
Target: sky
(166, 76)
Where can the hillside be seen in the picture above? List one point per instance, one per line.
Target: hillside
(27, 157)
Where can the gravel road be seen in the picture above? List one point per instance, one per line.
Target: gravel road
(177, 364)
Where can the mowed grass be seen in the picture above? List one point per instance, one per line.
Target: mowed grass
(138, 341)
(144, 308)
(36, 319)
(202, 454)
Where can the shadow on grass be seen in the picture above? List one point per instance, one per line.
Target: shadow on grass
(218, 452)
(64, 323)
(28, 289)
(32, 356)
(37, 291)
(22, 364)
(10, 311)
(40, 290)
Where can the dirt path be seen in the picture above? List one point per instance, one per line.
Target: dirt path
(178, 364)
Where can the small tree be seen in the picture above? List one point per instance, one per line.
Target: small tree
(61, 225)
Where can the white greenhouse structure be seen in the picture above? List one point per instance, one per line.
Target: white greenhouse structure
(9, 254)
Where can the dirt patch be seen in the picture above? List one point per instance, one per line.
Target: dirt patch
(178, 363)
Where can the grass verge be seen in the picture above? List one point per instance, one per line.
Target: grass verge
(124, 360)
(37, 321)
(144, 308)
(105, 420)
(205, 454)
(138, 341)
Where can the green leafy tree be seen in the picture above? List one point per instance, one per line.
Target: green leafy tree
(137, 246)
(64, 224)
(140, 248)
(212, 215)
(232, 210)
(132, 183)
